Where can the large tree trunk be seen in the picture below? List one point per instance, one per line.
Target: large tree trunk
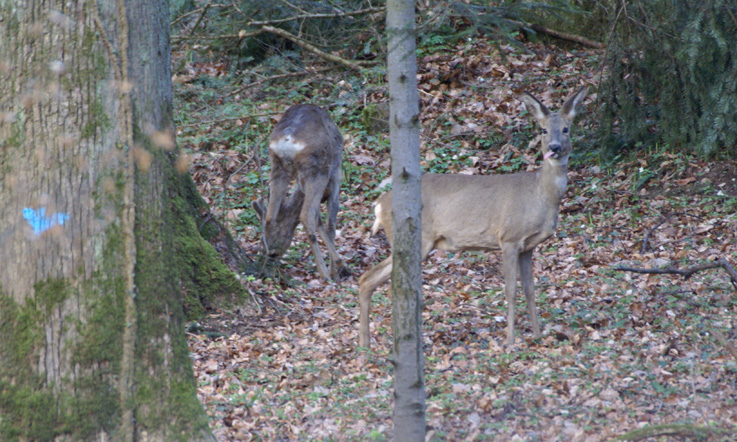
(95, 223)
(404, 124)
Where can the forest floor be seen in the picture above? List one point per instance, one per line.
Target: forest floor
(620, 350)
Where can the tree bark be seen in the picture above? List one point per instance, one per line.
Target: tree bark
(409, 393)
(94, 226)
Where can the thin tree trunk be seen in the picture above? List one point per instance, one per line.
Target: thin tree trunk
(409, 393)
(91, 321)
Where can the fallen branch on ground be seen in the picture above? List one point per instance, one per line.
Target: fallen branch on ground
(355, 65)
(687, 273)
(693, 432)
(562, 35)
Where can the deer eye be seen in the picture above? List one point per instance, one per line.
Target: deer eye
(565, 130)
(544, 131)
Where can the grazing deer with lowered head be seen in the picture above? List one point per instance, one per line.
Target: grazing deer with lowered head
(512, 213)
(305, 145)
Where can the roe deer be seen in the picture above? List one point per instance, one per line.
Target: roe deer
(512, 213)
(306, 145)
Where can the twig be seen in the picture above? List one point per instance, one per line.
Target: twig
(199, 19)
(270, 22)
(253, 296)
(725, 343)
(219, 120)
(687, 273)
(561, 35)
(183, 16)
(240, 35)
(728, 267)
(666, 218)
(276, 77)
(355, 65)
(309, 16)
(227, 180)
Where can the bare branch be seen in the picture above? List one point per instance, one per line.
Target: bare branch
(199, 19)
(217, 37)
(732, 273)
(220, 120)
(310, 16)
(561, 35)
(198, 10)
(685, 431)
(687, 273)
(355, 65)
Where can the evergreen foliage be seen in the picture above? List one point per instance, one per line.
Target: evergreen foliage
(672, 76)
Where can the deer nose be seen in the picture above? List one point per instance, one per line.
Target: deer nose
(555, 148)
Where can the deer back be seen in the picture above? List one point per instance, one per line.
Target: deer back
(306, 140)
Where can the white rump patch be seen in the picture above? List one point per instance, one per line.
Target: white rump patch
(286, 147)
(377, 222)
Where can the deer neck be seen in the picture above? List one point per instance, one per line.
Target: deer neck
(553, 179)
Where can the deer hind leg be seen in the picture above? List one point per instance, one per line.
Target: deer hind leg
(510, 265)
(528, 286)
(367, 284)
(314, 188)
(328, 232)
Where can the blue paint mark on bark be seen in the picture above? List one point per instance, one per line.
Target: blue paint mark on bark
(40, 222)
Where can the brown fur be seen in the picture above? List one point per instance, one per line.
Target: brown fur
(512, 213)
(305, 146)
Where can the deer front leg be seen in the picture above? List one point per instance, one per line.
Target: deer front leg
(314, 188)
(367, 284)
(528, 286)
(510, 263)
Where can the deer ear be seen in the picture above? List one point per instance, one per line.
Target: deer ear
(537, 109)
(569, 109)
(258, 206)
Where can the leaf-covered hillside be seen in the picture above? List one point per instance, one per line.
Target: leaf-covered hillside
(621, 350)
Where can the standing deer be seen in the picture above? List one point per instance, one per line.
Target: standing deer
(306, 145)
(512, 213)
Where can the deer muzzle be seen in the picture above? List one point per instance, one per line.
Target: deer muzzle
(553, 149)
